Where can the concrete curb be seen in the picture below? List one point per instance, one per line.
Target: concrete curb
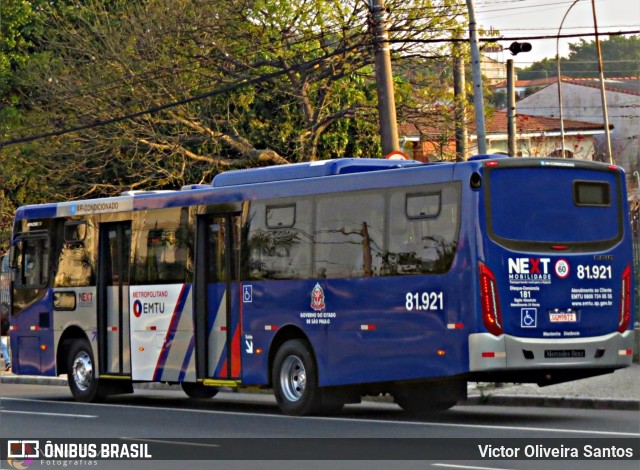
(554, 402)
(473, 400)
(62, 382)
(32, 380)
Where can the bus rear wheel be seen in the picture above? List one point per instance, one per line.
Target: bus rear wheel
(81, 373)
(198, 391)
(295, 379)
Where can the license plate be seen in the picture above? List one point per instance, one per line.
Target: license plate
(563, 353)
(563, 317)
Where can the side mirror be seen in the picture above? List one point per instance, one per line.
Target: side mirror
(15, 252)
(12, 257)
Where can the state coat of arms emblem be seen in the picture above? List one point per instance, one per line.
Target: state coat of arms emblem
(317, 298)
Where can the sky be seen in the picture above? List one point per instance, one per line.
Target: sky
(519, 18)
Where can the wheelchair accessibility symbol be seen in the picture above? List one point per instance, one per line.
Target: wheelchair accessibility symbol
(529, 318)
(247, 294)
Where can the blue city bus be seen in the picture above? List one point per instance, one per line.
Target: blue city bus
(332, 280)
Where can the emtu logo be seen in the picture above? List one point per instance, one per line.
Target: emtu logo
(529, 265)
(26, 451)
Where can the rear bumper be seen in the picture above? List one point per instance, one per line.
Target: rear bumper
(510, 352)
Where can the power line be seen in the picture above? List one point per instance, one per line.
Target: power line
(167, 72)
(303, 38)
(156, 109)
(170, 71)
(520, 38)
(188, 66)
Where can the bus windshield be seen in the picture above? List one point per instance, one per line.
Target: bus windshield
(533, 205)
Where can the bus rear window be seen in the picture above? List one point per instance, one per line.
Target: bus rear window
(591, 193)
(528, 205)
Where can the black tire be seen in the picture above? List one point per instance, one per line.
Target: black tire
(295, 379)
(198, 391)
(81, 373)
(422, 399)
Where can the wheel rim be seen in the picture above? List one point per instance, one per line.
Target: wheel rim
(82, 371)
(293, 378)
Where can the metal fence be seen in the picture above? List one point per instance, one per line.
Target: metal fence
(5, 280)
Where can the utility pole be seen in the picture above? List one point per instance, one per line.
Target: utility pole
(511, 110)
(384, 79)
(460, 100)
(603, 94)
(478, 96)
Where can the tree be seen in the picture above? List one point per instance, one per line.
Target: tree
(620, 56)
(275, 82)
(15, 15)
(18, 25)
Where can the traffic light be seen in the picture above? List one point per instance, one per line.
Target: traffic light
(517, 47)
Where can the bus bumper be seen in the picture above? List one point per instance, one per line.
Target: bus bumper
(488, 352)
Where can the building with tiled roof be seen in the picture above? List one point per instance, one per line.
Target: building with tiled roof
(582, 100)
(432, 138)
(523, 86)
(630, 85)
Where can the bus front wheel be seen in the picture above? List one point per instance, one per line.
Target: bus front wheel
(81, 373)
(295, 379)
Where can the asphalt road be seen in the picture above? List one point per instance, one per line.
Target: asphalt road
(230, 431)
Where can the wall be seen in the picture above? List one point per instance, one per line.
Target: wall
(583, 103)
(582, 147)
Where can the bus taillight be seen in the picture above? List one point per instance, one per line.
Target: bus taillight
(624, 317)
(491, 314)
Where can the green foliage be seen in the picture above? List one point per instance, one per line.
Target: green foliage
(620, 57)
(275, 82)
(15, 16)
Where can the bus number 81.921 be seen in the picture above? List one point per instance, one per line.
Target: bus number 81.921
(424, 301)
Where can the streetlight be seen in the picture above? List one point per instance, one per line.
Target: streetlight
(560, 76)
(603, 95)
(601, 73)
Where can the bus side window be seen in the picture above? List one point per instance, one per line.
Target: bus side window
(32, 262)
(162, 247)
(76, 260)
(279, 240)
(349, 235)
(423, 230)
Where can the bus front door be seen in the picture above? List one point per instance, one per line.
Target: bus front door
(113, 279)
(217, 298)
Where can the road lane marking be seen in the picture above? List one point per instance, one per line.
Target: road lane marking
(352, 420)
(42, 413)
(167, 441)
(488, 426)
(467, 467)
